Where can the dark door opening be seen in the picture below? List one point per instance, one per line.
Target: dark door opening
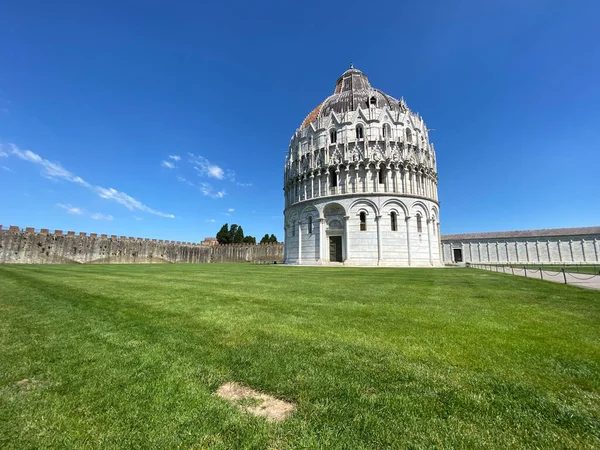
(457, 255)
(335, 248)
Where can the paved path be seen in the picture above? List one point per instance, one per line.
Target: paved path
(576, 279)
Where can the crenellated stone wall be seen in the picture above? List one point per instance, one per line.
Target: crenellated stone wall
(43, 247)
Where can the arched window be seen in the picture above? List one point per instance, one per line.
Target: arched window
(333, 136)
(394, 221)
(387, 131)
(408, 135)
(359, 132)
(293, 228)
(419, 224)
(363, 221)
(373, 101)
(310, 228)
(381, 175)
(333, 177)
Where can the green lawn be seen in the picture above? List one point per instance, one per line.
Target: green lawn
(129, 356)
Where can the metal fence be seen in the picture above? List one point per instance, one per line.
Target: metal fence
(566, 273)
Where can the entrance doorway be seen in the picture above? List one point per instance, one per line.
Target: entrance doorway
(457, 255)
(335, 248)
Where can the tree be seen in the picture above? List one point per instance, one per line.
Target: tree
(249, 240)
(238, 237)
(223, 236)
(235, 235)
(232, 232)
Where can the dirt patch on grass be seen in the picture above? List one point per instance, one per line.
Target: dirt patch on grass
(28, 385)
(254, 402)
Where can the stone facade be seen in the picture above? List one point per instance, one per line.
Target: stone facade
(360, 183)
(43, 247)
(559, 245)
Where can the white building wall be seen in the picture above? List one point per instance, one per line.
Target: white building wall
(564, 249)
(382, 247)
(310, 243)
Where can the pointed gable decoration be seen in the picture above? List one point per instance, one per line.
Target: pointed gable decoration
(361, 115)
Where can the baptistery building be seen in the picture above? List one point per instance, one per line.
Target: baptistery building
(360, 182)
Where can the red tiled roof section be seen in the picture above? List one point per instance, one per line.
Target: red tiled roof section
(312, 116)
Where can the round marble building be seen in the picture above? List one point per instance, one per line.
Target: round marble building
(360, 182)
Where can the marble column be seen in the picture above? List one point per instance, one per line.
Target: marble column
(319, 181)
(407, 222)
(379, 255)
(299, 242)
(347, 236)
(429, 242)
(439, 239)
(305, 187)
(285, 244)
(322, 240)
(388, 175)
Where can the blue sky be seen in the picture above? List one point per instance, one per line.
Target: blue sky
(167, 119)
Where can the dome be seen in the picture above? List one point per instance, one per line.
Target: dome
(353, 90)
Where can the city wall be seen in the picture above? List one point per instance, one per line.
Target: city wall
(32, 246)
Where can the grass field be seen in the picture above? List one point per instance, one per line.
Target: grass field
(130, 357)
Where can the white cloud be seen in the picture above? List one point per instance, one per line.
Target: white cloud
(50, 170)
(98, 216)
(244, 184)
(71, 209)
(3, 154)
(54, 170)
(128, 201)
(211, 220)
(167, 164)
(175, 157)
(208, 190)
(137, 218)
(79, 211)
(183, 180)
(8, 169)
(231, 210)
(205, 168)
